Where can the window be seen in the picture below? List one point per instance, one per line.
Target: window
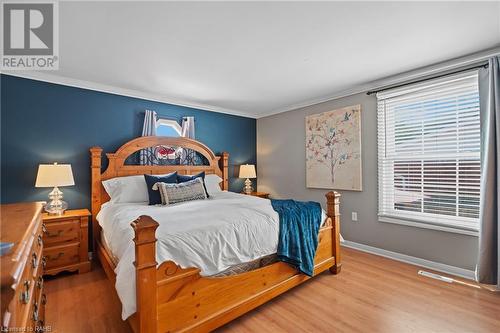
(168, 127)
(429, 152)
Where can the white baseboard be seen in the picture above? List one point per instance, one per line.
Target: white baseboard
(452, 270)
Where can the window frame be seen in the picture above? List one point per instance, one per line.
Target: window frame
(171, 123)
(414, 219)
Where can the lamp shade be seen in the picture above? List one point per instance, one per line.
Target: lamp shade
(51, 175)
(247, 171)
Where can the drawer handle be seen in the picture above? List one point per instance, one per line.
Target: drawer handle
(44, 228)
(40, 240)
(33, 260)
(39, 282)
(25, 295)
(59, 232)
(44, 261)
(44, 299)
(35, 312)
(59, 255)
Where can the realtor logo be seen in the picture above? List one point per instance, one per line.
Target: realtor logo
(30, 36)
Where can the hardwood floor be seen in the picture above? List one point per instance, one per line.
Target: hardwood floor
(372, 294)
(83, 303)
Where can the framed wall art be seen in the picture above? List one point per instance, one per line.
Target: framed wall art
(333, 149)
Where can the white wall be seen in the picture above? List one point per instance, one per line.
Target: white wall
(281, 171)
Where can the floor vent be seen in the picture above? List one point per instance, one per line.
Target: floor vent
(447, 279)
(436, 276)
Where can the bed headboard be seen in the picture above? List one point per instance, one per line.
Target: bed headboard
(162, 155)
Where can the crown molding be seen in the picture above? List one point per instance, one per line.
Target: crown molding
(65, 81)
(421, 72)
(376, 84)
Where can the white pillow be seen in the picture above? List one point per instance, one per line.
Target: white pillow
(186, 191)
(134, 188)
(127, 189)
(212, 184)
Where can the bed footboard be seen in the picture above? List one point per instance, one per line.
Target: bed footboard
(174, 299)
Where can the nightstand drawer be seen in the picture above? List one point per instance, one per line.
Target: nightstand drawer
(62, 255)
(65, 241)
(61, 232)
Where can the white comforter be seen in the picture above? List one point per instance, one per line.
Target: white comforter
(213, 235)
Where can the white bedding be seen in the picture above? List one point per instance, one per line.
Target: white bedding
(213, 235)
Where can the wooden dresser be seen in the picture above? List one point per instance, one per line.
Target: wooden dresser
(65, 240)
(22, 294)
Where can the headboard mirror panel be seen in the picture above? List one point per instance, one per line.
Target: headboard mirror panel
(153, 155)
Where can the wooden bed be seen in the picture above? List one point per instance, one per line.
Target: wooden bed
(174, 299)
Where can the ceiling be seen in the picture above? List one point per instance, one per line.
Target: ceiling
(260, 58)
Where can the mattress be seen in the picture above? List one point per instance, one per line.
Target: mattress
(233, 270)
(225, 234)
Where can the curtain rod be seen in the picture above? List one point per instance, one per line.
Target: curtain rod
(174, 118)
(371, 92)
(140, 114)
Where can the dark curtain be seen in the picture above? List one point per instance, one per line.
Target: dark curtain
(489, 232)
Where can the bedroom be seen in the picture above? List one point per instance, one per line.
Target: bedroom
(149, 151)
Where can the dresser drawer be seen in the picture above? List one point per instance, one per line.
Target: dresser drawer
(61, 255)
(31, 271)
(61, 232)
(36, 253)
(26, 290)
(37, 293)
(41, 314)
(33, 255)
(22, 265)
(24, 295)
(38, 307)
(38, 241)
(37, 312)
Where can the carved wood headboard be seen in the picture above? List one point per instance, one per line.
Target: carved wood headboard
(118, 165)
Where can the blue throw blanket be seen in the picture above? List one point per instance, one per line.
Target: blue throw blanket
(298, 237)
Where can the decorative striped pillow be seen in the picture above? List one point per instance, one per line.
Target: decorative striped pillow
(187, 191)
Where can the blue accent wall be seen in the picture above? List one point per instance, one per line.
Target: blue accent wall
(44, 123)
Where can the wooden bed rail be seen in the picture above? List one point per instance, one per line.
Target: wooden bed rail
(180, 299)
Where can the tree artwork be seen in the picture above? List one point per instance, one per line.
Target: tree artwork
(333, 149)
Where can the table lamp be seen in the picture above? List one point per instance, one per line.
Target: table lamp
(248, 171)
(55, 175)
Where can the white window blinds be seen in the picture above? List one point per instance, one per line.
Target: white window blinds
(429, 152)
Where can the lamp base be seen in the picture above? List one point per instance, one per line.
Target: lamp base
(56, 206)
(248, 187)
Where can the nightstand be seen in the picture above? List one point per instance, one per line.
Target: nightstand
(259, 194)
(65, 240)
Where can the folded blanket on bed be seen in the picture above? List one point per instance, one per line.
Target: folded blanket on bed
(298, 235)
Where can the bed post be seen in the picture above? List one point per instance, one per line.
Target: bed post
(224, 161)
(95, 169)
(333, 212)
(145, 274)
